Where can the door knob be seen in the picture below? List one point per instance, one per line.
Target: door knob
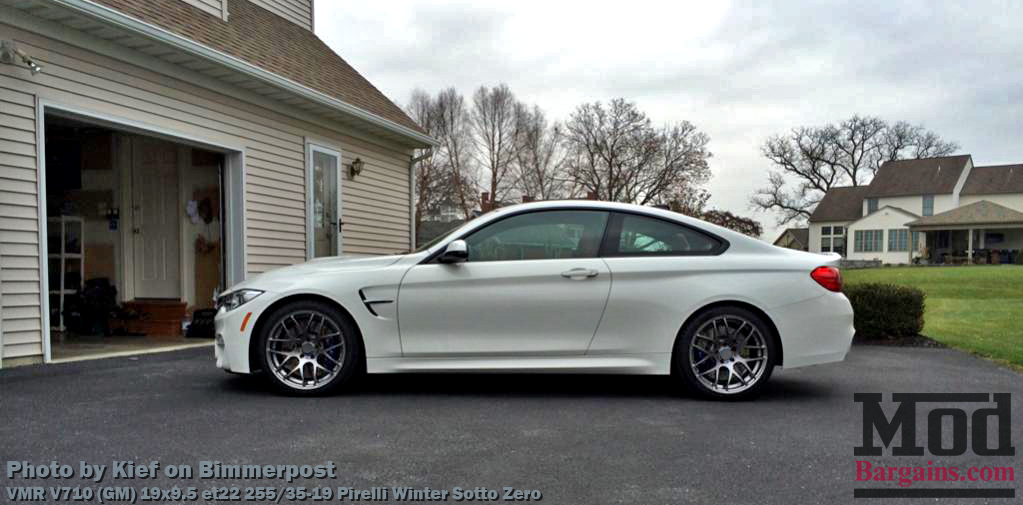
(579, 273)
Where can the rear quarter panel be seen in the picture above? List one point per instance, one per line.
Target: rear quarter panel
(652, 297)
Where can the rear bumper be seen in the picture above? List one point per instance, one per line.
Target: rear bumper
(815, 331)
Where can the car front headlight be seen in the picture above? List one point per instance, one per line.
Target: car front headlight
(235, 299)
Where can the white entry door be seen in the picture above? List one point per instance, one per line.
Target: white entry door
(155, 233)
(323, 217)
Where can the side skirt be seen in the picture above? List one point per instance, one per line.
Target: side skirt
(636, 364)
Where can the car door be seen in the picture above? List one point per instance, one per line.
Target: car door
(533, 284)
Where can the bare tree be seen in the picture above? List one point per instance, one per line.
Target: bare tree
(619, 156)
(903, 140)
(728, 220)
(539, 158)
(493, 125)
(454, 132)
(811, 160)
(431, 172)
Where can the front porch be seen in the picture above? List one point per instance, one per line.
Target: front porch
(973, 246)
(982, 233)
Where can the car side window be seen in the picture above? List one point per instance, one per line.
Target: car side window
(640, 235)
(539, 235)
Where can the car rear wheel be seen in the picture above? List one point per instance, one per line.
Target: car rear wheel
(726, 353)
(308, 348)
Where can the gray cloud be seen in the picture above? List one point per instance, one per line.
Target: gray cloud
(740, 72)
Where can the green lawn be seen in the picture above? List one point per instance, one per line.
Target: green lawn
(976, 308)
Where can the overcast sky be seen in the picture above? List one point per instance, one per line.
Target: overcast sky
(740, 71)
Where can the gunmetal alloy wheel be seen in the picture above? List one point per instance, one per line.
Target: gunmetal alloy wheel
(727, 353)
(306, 349)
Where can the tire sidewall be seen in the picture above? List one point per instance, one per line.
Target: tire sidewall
(350, 334)
(681, 362)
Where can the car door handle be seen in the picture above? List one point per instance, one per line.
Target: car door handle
(579, 273)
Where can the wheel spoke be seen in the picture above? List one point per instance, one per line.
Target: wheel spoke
(724, 342)
(738, 331)
(739, 375)
(298, 369)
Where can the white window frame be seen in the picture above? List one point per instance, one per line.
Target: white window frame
(895, 236)
(311, 147)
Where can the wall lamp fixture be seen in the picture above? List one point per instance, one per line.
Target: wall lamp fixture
(356, 167)
(11, 55)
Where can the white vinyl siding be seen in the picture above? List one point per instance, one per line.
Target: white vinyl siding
(376, 204)
(217, 8)
(299, 12)
(19, 225)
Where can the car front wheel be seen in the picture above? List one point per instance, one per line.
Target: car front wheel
(726, 353)
(308, 348)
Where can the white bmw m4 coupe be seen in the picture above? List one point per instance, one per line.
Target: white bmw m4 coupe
(572, 286)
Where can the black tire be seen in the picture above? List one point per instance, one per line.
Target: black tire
(683, 355)
(349, 341)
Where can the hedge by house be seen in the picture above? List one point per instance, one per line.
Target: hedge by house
(886, 311)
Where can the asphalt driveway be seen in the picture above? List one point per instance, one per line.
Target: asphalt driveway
(577, 439)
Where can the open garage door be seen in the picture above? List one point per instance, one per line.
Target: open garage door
(137, 232)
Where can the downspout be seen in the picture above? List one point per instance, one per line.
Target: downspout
(412, 194)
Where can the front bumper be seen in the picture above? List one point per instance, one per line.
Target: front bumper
(234, 333)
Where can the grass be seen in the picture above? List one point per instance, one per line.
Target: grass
(976, 308)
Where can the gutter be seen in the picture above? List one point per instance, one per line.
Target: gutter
(121, 20)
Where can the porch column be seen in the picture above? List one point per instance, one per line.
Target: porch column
(969, 246)
(982, 246)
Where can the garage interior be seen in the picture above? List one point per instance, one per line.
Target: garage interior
(134, 240)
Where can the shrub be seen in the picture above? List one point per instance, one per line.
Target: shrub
(886, 311)
(1019, 258)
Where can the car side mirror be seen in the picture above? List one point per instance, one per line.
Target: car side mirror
(455, 252)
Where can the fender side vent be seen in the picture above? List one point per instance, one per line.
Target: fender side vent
(370, 302)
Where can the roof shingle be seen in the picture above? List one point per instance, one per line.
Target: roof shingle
(925, 176)
(272, 43)
(982, 212)
(994, 179)
(840, 204)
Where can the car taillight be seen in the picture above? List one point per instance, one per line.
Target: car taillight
(829, 277)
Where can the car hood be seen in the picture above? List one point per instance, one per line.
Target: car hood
(319, 266)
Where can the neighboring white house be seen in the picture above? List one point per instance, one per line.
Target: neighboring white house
(939, 210)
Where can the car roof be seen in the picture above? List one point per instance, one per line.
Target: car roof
(737, 241)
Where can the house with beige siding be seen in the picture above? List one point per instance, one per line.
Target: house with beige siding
(933, 210)
(154, 152)
(794, 238)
